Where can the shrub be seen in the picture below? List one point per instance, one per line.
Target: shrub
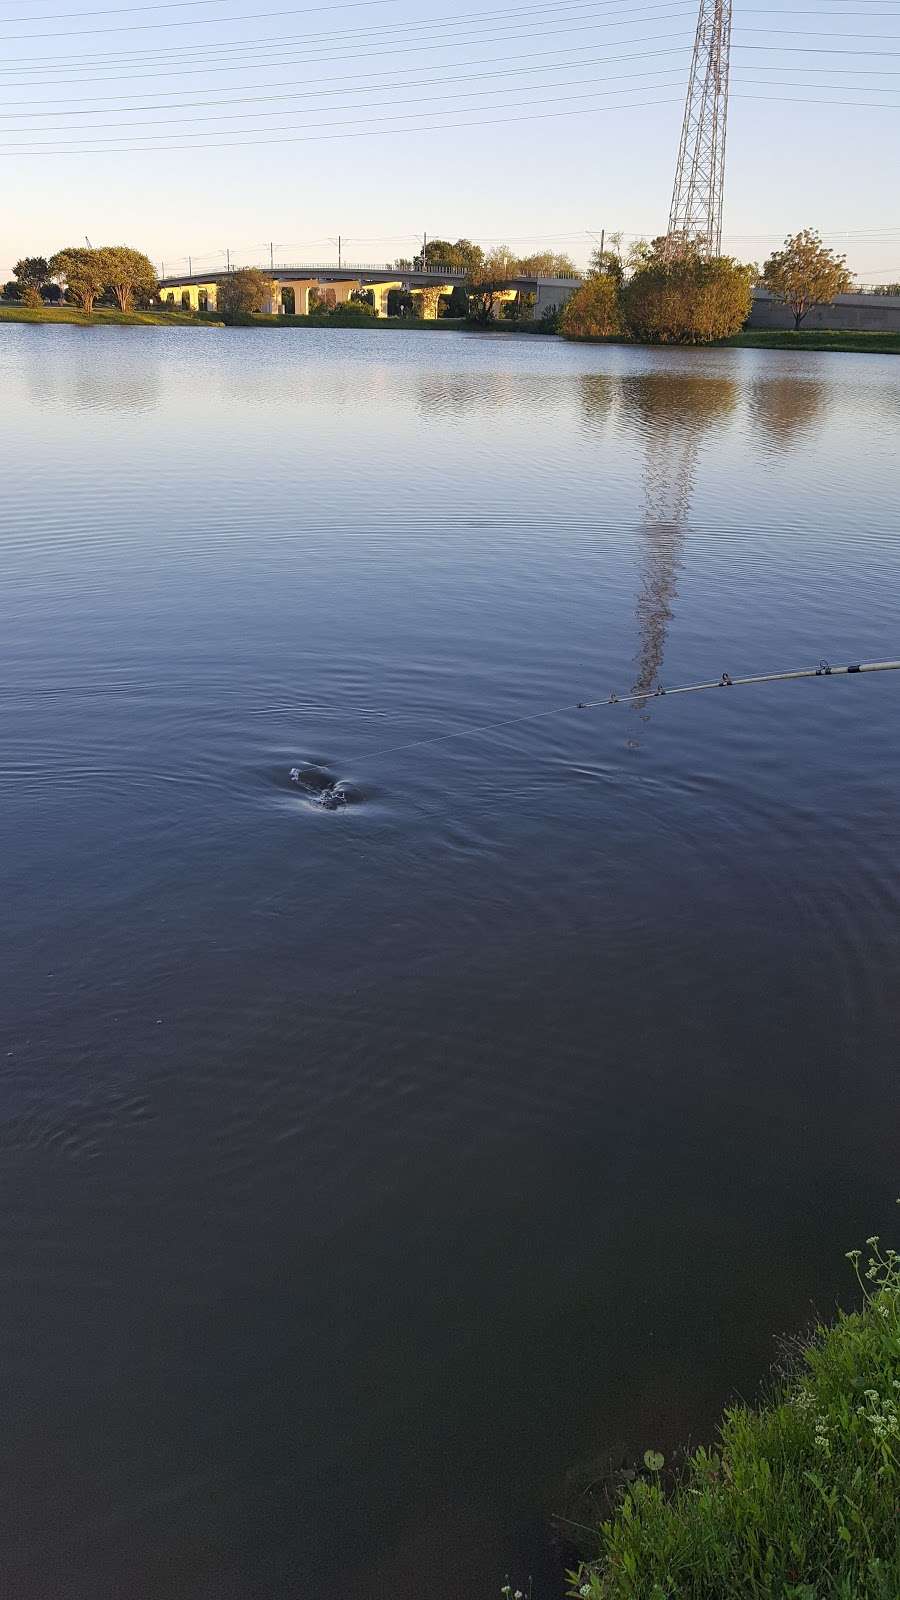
(798, 1499)
(243, 292)
(31, 297)
(687, 299)
(352, 311)
(593, 312)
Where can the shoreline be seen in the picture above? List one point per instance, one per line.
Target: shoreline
(837, 342)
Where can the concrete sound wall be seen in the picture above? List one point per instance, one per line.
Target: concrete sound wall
(863, 313)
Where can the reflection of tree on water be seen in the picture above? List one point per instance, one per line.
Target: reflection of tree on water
(782, 408)
(671, 413)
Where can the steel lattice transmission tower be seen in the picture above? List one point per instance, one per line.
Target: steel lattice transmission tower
(695, 220)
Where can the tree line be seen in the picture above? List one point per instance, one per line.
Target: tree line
(663, 293)
(658, 292)
(83, 276)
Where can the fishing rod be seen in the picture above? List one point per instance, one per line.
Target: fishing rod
(726, 681)
(823, 670)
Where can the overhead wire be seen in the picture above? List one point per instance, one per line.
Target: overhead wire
(593, 87)
(488, 61)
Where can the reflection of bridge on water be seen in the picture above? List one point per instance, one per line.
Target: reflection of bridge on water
(292, 287)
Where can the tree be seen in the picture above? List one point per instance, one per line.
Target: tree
(459, 302)
(51, 293)
(351, 311)
(31, 271)
(486, 277)
(129, 272)
(806, 273)
(463, 256)
(244, 292)
(31, 297)
(608, 261)
(83, 272)
(12, 290)
(547, 264)
(686, 299)
(593, 311)
(363, 298)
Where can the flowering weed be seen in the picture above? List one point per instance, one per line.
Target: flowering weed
(800, 1500)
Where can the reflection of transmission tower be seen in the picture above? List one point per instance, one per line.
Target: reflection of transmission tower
(695, 219)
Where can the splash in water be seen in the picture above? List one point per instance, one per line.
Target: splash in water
(329, 793)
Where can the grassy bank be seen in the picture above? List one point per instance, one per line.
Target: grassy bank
(102, 317)
(750, 339)
(414, 324)
(885, 344)
(798, 1499)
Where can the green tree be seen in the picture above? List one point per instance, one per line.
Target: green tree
(363, 297)
(129, 273)
(608, 260)
(686, 299)
(32, 271)
(84, 273)
(806, 273)
(12, 290)
(486, 278)
(594, 310)
(31, 297)
(244, 292)
(351, 311)
(463, 256)
(547, 264)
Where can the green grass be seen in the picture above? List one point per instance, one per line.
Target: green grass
(102, 317)
(886, 344)
(362, 321)
(800, 1497)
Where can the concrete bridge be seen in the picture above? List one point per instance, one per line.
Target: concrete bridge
(292, 286)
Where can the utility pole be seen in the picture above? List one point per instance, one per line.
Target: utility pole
(339, 250)
(227, 260)
(190, 267)
(271, 256)
(424, 250)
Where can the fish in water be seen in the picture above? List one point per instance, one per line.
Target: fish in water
(320, 789)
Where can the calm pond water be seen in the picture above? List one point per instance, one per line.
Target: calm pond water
(365, 1170)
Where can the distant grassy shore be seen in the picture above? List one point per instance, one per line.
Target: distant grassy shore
(885, 344)
(751, 339)
(103, 317)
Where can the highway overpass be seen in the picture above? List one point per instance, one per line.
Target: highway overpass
(292, 286)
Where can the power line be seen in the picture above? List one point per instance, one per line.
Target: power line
(300, 56)
(388, 88)
(393, 117)
(141, 27)
(188, 50)
(377, 134)
(489, 61)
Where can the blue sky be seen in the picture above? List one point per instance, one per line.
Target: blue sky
(193, 126)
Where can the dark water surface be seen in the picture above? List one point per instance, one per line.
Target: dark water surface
(362, 1170)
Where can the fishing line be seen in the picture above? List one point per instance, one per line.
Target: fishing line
(823, 670)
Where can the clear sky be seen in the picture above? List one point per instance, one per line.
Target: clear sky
(192, 126)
